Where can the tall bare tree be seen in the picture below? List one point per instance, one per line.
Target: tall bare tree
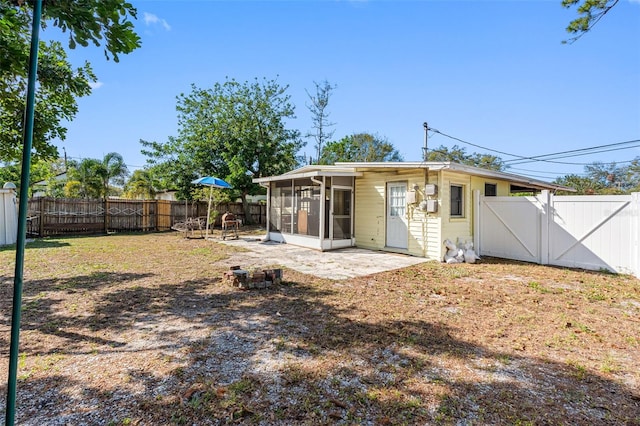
(320, 116)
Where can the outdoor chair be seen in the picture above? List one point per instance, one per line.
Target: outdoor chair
(190, 226)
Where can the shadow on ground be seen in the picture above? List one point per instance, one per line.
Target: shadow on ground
(297, 353)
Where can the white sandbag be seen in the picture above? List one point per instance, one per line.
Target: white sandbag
(470, 256)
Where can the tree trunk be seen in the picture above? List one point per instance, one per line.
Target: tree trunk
(248, 220)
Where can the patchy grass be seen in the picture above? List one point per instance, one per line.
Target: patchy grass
(140, 329)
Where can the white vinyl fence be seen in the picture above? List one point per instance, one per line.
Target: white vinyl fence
(591, 232)
(8, 217)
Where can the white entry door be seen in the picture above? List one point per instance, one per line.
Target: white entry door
(397, 235)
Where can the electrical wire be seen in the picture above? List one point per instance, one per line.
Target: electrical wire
(583, 149)
(538, 158)
(575, 155)
(542, 171)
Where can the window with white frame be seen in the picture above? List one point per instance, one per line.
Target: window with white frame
(457, 200)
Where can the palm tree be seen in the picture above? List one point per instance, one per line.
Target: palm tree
(141, 185)
(87, 174)
(114, 171)
(95, 178)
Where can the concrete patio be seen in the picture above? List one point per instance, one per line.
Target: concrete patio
(336, 265)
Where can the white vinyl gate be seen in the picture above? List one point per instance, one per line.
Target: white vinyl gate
(591, 232)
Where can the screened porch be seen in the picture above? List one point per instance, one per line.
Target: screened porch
(311, 209)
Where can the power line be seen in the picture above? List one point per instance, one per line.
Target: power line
(578, 155)
(477, 146)
(522, 159)
(535, 176)
(584, 149)
(557, 156)
(542, 171)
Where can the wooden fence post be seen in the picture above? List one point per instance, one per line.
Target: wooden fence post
(106, 215)
(41, 209)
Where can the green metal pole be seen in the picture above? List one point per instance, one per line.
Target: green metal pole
(22, 216)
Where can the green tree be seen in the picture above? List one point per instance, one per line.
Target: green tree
(605, 178)
(583, 185)
(141, 185)
(320, 116)
(459, 155)
(59, 84)
(84, 180)
(360, 147)
(590, 12)
(633, 175)
(41, 170)
(235, 131)
(113, 173)
(172, 166)
(93, 178)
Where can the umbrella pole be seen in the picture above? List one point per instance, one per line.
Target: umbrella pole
(209, 212)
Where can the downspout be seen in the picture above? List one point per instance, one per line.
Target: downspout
(268, 186)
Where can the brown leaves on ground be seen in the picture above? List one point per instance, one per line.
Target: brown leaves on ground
(140, 329)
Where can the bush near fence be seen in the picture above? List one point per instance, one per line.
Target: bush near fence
(66, 216)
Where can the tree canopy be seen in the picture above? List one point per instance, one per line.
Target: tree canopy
(40, 171)
(360, 147)
(235, 131)
(609, 178)
(142, 184)
(459, 155)
(589, 13)
(101, 22)
(93, 178)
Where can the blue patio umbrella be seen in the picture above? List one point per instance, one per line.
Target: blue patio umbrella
(211, 182)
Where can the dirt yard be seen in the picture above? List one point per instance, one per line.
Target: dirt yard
(142, 330)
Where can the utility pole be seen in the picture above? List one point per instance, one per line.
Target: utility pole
(426, 136)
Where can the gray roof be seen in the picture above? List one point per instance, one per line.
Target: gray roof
(357, 168)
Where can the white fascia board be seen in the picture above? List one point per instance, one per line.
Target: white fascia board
(431, 165)
(316, 173)
(358, 167)
(508, 176)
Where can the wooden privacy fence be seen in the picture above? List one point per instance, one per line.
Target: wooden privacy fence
(65, 216)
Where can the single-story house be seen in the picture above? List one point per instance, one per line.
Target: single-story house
(404, 207)
(40, 187)
(167, 195)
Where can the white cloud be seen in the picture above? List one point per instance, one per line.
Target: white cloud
(95, 85)
(151, 19)
(634, 1)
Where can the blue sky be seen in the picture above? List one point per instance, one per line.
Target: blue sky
(493, 73)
